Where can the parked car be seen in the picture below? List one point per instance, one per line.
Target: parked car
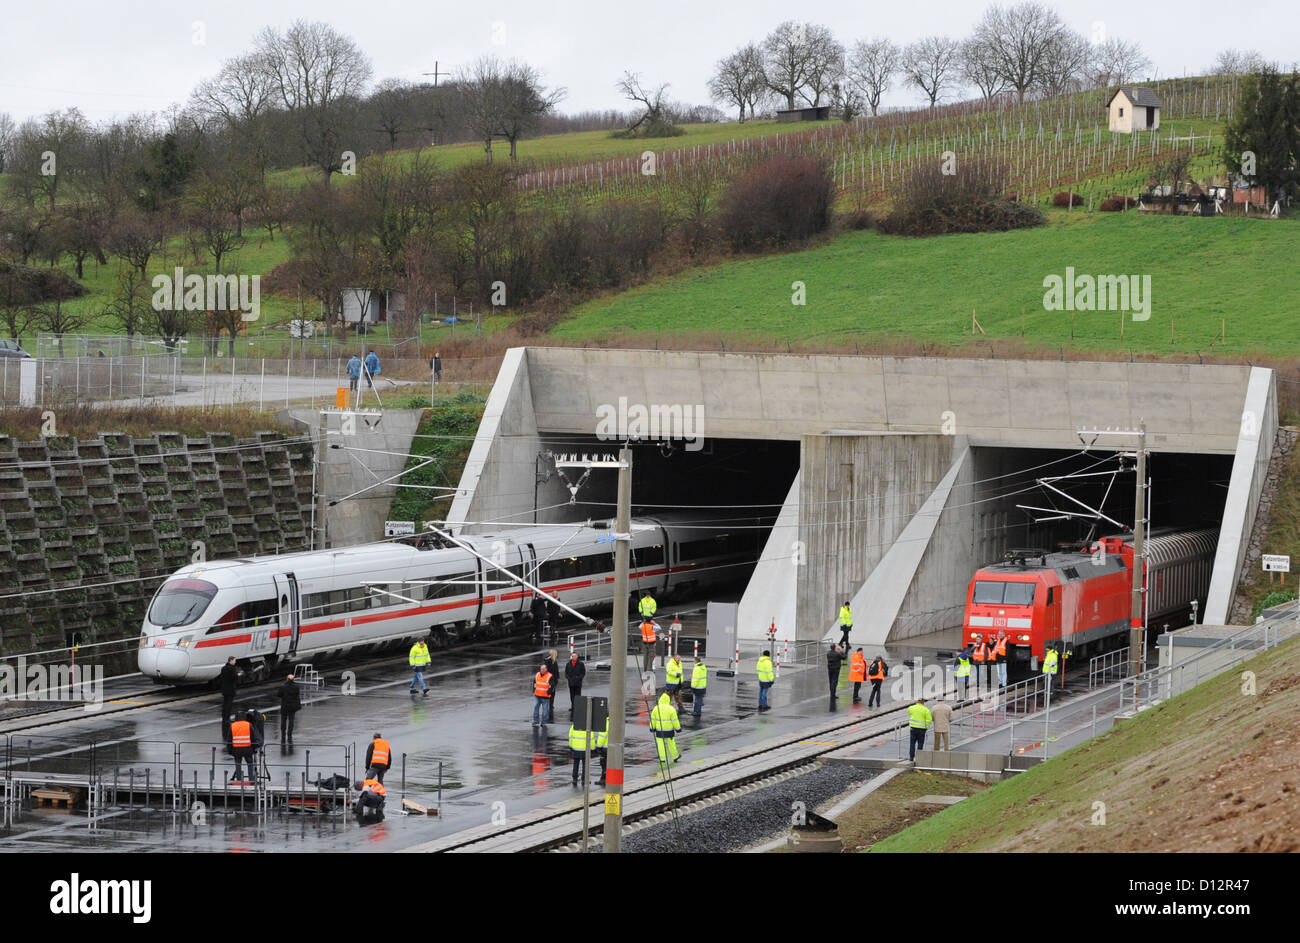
(10, 348)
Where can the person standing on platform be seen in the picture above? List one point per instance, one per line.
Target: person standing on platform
(649, 635)
(664, 723)
(553, 616)
(942, 715)
(834, 662)
(578, 741)
(647, 607)
(876, 673)
(699, 684)
(766, 677)
(919, 720)
(963, 671)
(1000, 658)
(673, 679)
(542, 695)
(419, 659)
(602, 750)
(290, 704)
(229, 680)
(244, 741)
(858, 674)
(574, 671)
(538, 609)
(979, 654)
(846, 625)
(379, 756)
(553, 666)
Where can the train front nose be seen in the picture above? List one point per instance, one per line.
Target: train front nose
(164, 663)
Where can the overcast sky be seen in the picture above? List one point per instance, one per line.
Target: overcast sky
(112, 57)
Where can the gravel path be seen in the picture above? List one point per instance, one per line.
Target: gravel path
(749, 818)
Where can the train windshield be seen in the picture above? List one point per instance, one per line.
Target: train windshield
(997, 593)
(180, 602)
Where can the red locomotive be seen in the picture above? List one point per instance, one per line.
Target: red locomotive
(1082, 598)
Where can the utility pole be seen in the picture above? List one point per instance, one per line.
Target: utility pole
(1137, 624)
(618, 659)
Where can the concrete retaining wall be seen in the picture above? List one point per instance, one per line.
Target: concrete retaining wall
(91, 517)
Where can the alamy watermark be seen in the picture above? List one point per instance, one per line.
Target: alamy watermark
(194, 292)
(77, 684)
(1098, 293)
(657, 422)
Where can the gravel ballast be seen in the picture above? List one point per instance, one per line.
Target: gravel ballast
(749, 818)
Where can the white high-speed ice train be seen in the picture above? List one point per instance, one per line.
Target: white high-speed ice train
(302, 607)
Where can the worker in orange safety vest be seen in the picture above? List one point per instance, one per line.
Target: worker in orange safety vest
(542, 695)
(857, 674)
(379, 756)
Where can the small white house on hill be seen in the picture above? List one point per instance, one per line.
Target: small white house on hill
(1134, 108)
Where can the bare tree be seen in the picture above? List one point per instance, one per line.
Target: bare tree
(739, 79)
(53, 317)
(1019, 39)
(135, 237)
(317, 75)
(212, 227)
(654, 121)
(1068, 60)
(8, 130)
(524, 102)
(240, 98)
(1237, 62)
(980, 68)
(1116, 62)
(871, 67)
(480, 97)
(825, 64)
(393, 106)
(49, 154)
(802, 60)
(932, 64)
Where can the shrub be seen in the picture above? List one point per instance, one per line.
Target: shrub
(1115, 204)
(778, 201)
(1067, 199)
(932, 203)
(1271, 600)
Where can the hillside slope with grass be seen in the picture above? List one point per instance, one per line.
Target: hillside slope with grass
(865, 286)
(1216, 769)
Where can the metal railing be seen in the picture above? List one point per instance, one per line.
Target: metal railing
(1107, 667)
(1159, 684)
(182, 773)
(171, 379)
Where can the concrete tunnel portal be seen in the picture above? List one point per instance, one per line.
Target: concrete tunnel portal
(876, 496)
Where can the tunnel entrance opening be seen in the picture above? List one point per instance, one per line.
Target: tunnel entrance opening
(1188, 491)
(738, 484)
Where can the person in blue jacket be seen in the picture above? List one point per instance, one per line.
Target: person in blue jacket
(372, 368)
(354, 372)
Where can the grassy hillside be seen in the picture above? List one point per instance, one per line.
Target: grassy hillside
(864, 286)
(1166, 786)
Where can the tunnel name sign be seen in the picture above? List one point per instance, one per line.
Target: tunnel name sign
(1277, 563)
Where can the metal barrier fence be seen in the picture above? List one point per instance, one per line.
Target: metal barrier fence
(1158, 684)
(1107, 667)
(182, 773)
(168, 379)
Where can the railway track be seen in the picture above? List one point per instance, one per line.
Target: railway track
(650, 798)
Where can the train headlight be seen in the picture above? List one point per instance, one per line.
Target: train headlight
(1024, 638)
(185, 642)
(144, 640)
